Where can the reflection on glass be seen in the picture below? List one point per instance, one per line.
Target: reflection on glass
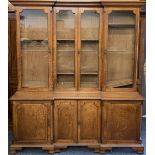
(89, 49)
(65, 54)
(34, 48)
(120, 51)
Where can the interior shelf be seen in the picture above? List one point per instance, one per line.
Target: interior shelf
(89, 39)
(25, 50)
(119, 51)
(118, 83)
(121, 25)
(65, 39)
(89, 50)
(65, 73)
(89, 73)
(26, 39)
(65, 50)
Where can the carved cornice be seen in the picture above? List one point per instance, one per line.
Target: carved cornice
(123, 2)
(11, 8)
(86, 3)
(32, 2)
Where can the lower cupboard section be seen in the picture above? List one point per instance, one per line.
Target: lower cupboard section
(32, 122)
(76, 122)
(121, 122)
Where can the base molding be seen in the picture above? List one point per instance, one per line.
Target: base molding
(98, 148)
(18, 147)
(139, 148)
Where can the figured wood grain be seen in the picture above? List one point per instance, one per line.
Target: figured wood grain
(121, 121)
(89, 121)
(65, 121)
(31, 121)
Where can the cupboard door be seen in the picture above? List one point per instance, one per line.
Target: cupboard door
(89, 47)
(65, 47)
(65, 121)
(89, 121)
(120, 48)
(31, 121)
(121, 121)
(34, 48)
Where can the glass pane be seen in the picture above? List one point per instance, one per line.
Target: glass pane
(65, 22)
(89, 57)
(120, 51)
(34, 48)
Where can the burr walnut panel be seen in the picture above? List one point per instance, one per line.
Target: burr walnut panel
(89, 121)
(31, 121)
(121, 121)
(65, 120)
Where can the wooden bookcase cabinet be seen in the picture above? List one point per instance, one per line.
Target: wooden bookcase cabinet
(77, 75)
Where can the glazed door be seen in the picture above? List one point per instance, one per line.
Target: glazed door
(65, 48)
(89, 48)
(121, 48)
(89, 121)
(34, 48)
(65, 121)
(31, 121)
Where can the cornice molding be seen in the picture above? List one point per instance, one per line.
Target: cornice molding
(11, 8)
(32, 2)
(77, 2)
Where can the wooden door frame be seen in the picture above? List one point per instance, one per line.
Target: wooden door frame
(47, 10)
(74, 11)
(107, 119)
(136, 12)
(49, 132)
(56, 121)
(98, 128)
(100, 12)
